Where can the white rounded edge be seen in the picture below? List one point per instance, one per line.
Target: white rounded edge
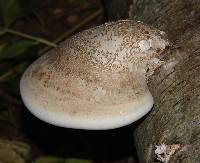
(97, 123)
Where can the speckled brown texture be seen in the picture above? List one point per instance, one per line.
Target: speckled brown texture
(101, 67)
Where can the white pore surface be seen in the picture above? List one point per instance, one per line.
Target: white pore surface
(138, 110)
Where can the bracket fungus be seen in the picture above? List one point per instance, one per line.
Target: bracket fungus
(97, 78)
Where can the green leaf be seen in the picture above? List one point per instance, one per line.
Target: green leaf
(48, 159)
(10, 10)
(75, 160)
(16, 49)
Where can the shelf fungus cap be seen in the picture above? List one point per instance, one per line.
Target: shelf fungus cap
(97, 78)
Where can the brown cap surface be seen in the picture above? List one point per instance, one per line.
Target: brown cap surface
(95, 79)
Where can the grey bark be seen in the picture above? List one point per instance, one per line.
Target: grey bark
(174, 121)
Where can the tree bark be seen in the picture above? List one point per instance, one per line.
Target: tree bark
(172, 128)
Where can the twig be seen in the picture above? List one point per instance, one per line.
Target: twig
(76, 27)
(24, 35)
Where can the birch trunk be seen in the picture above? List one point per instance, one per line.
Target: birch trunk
(172, 129)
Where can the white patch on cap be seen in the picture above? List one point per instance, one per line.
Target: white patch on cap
(144, 45)
(108, 45)
(158, 43)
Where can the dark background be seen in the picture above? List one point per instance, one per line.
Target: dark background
(29, 28)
